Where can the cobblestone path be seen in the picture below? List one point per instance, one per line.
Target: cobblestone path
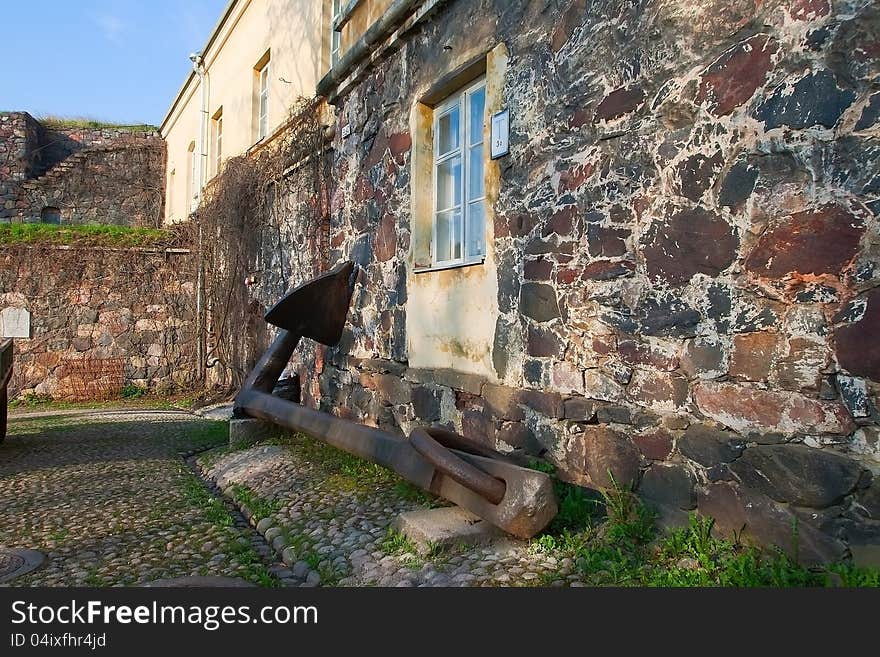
(327, 514)
(110, 500)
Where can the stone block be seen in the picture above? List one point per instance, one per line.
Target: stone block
(655, 445)
(856, 341)
(545, 403)
(445, 527)
(669, 485)
(756, 518)
(752, 355)
(501, 402)
(539, 302)
(579, 409)
(567, 378)
(244, 432)
(746, 409)
(709, 446)
(798, 474)
(600, 454)
(470, 383)
(703, 358)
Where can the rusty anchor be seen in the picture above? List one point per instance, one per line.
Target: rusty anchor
(5, 375)
(518, 500)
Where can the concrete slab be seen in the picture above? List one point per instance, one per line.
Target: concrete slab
(244, 432)
(221, 411)
(445, 527)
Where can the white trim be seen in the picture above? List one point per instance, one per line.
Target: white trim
(451, 265)
(460, 100)
(217, 142)
(263, 111)
(335, 34)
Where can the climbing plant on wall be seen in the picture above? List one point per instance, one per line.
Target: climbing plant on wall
(262, 226)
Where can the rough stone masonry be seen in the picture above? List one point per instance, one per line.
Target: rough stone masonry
(80, 175)
(686, 241)
(100, 319)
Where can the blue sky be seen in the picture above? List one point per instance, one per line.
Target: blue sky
(113, 60)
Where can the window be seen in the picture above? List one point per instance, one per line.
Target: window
(170, 194)
(459, 224)
(263, 116)
(217, 140)
(50, 215)
(335, 37)
(193, 178)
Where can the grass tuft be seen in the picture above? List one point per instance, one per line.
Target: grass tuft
(622, 548)
(259, 507)
(61, 122)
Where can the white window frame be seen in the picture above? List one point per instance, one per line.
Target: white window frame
(263, 103)
(172, 179)
(193, 191)
(218, 140)
(459, 99)
(335, 36)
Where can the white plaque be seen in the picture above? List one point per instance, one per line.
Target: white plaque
(500, 134)
(15, 323)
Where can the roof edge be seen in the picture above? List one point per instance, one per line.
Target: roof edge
(214, 33)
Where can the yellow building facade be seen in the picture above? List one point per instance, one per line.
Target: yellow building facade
(260, 58)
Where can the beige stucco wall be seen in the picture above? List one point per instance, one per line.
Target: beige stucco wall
(292, 31)
(451, 313)
(363, 16)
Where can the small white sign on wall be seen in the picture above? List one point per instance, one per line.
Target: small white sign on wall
(500, 134)
(15, 323)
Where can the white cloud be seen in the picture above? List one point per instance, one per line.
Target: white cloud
(112, 28)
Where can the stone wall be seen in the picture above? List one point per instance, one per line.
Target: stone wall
(19, 143)
(686, 242)
(101, 319)
(91, 175)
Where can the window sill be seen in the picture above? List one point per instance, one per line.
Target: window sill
(451, 265)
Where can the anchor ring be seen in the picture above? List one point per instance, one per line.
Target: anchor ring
(426, 441)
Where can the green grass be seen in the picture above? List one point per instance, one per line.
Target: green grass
(577, 506)
(80, 235)
(60, 122)
(197, 495)
(131, 391)
(259, 507)
(42, 403)
(620, 545)
(394, 543)
(254, 568)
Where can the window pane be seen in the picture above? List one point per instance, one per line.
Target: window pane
(448, 132)
(443, 228)
(449, 183)
(457, 235)
(475, 173)
(476, 109)
(449, 229)
(476, 229)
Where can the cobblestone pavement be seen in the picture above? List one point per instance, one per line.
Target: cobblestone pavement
(111, 501)
(328, 515)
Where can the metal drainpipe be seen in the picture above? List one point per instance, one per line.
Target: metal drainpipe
(199, 69)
